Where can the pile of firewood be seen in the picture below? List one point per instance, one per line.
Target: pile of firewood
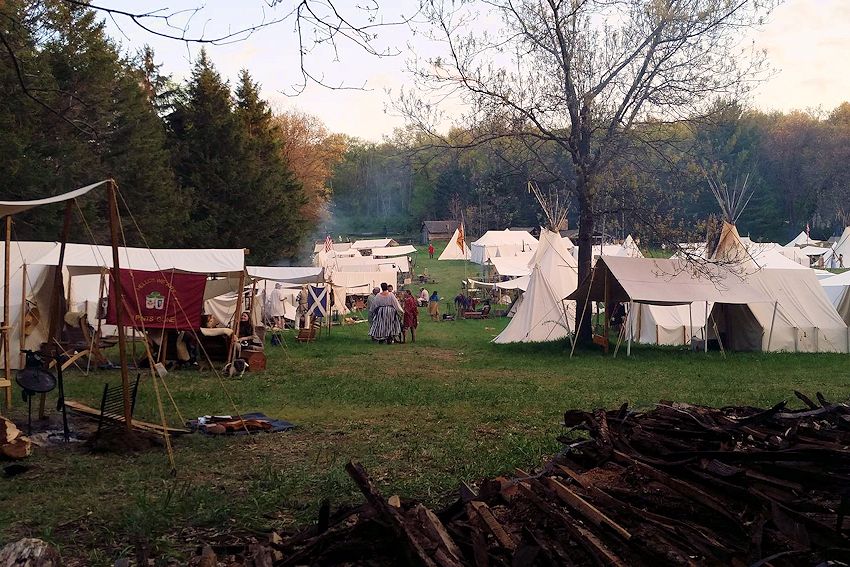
(676, 485)
(13, 444)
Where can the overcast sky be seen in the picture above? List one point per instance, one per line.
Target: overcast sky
(807, 43)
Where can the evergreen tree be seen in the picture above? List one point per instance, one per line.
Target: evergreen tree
(267, 181)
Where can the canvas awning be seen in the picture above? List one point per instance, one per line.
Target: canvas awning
(665, 282)
(15, 207)
(287, 274)
(90, 258)
(393, 251)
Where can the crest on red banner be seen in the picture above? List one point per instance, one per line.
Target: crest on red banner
(158, 300)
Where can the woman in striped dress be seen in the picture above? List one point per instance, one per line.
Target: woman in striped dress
(385, 312)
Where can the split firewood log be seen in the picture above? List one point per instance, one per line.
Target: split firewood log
(30, 552)
(20, 448)
(8, 431)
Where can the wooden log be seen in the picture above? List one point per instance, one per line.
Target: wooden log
(30, 552)
(91, 412)
(391, 515)
(8, 431)
(20, 448)
(436, 531)
(590, 512)
(486, 515)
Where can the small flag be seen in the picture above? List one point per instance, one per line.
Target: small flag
(460, 239)
(329, 243)
(807, 230)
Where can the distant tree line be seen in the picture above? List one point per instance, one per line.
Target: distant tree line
(200, 164)
(795, 164)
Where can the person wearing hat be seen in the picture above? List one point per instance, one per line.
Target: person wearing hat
(423, 297)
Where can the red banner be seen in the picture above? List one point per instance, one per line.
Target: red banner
(159, 300)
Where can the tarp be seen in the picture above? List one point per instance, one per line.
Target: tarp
(15, 207)
(288, 274)
(456, 247)
(393, 251)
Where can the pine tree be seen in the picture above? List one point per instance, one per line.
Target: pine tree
(275, 194)
(206, 148)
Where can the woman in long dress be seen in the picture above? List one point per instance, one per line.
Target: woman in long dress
(411, 318)
(386, 325)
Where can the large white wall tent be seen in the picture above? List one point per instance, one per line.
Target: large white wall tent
(499, 243)
(837, 289)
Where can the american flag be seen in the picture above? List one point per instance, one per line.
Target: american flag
(329, 243)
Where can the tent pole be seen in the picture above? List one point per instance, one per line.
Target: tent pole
(236, 314)
(705, 330)
(691, 319)
(772, 320)
(119, 298)
(719, 341)
(23, 335)
(629, 345)
(584, 310)
(7, 325)
(55, 318)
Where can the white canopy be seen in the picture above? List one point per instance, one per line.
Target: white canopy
(393, 251)
(372, 244)
(15, 207)
(513, 266)
(802, 239)
(288, 274)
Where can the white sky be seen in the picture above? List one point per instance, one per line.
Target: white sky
(807, 43)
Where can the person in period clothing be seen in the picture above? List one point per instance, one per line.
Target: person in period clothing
(385, 311)
(431, 251)
(411, 318)
(276, 308)
(423, 297)
(434, 306)
(370, 300)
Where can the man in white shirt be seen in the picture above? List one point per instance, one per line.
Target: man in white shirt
(423, 297)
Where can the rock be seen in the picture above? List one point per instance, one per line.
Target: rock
(30, 552)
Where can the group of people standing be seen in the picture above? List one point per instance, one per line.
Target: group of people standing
(391, 317)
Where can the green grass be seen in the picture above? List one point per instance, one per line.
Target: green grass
(421, 417)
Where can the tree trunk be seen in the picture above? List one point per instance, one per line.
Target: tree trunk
(584, 324)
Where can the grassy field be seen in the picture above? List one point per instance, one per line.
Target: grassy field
(421, 417)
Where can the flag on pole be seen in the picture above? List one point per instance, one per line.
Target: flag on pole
(807, 231)
(329, 243)
(460, 237)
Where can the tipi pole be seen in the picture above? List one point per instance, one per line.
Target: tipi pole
(772, 320)
(7, 325)
(705, 330)
(119, 299)
(691, 319)
(629, 345)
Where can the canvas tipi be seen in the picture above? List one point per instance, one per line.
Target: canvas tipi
(456, 248)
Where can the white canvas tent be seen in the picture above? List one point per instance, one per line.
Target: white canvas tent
(453, 250)
(501, 243)
(837, 289)
(543, 314)
(802, 239)
(373, 243)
